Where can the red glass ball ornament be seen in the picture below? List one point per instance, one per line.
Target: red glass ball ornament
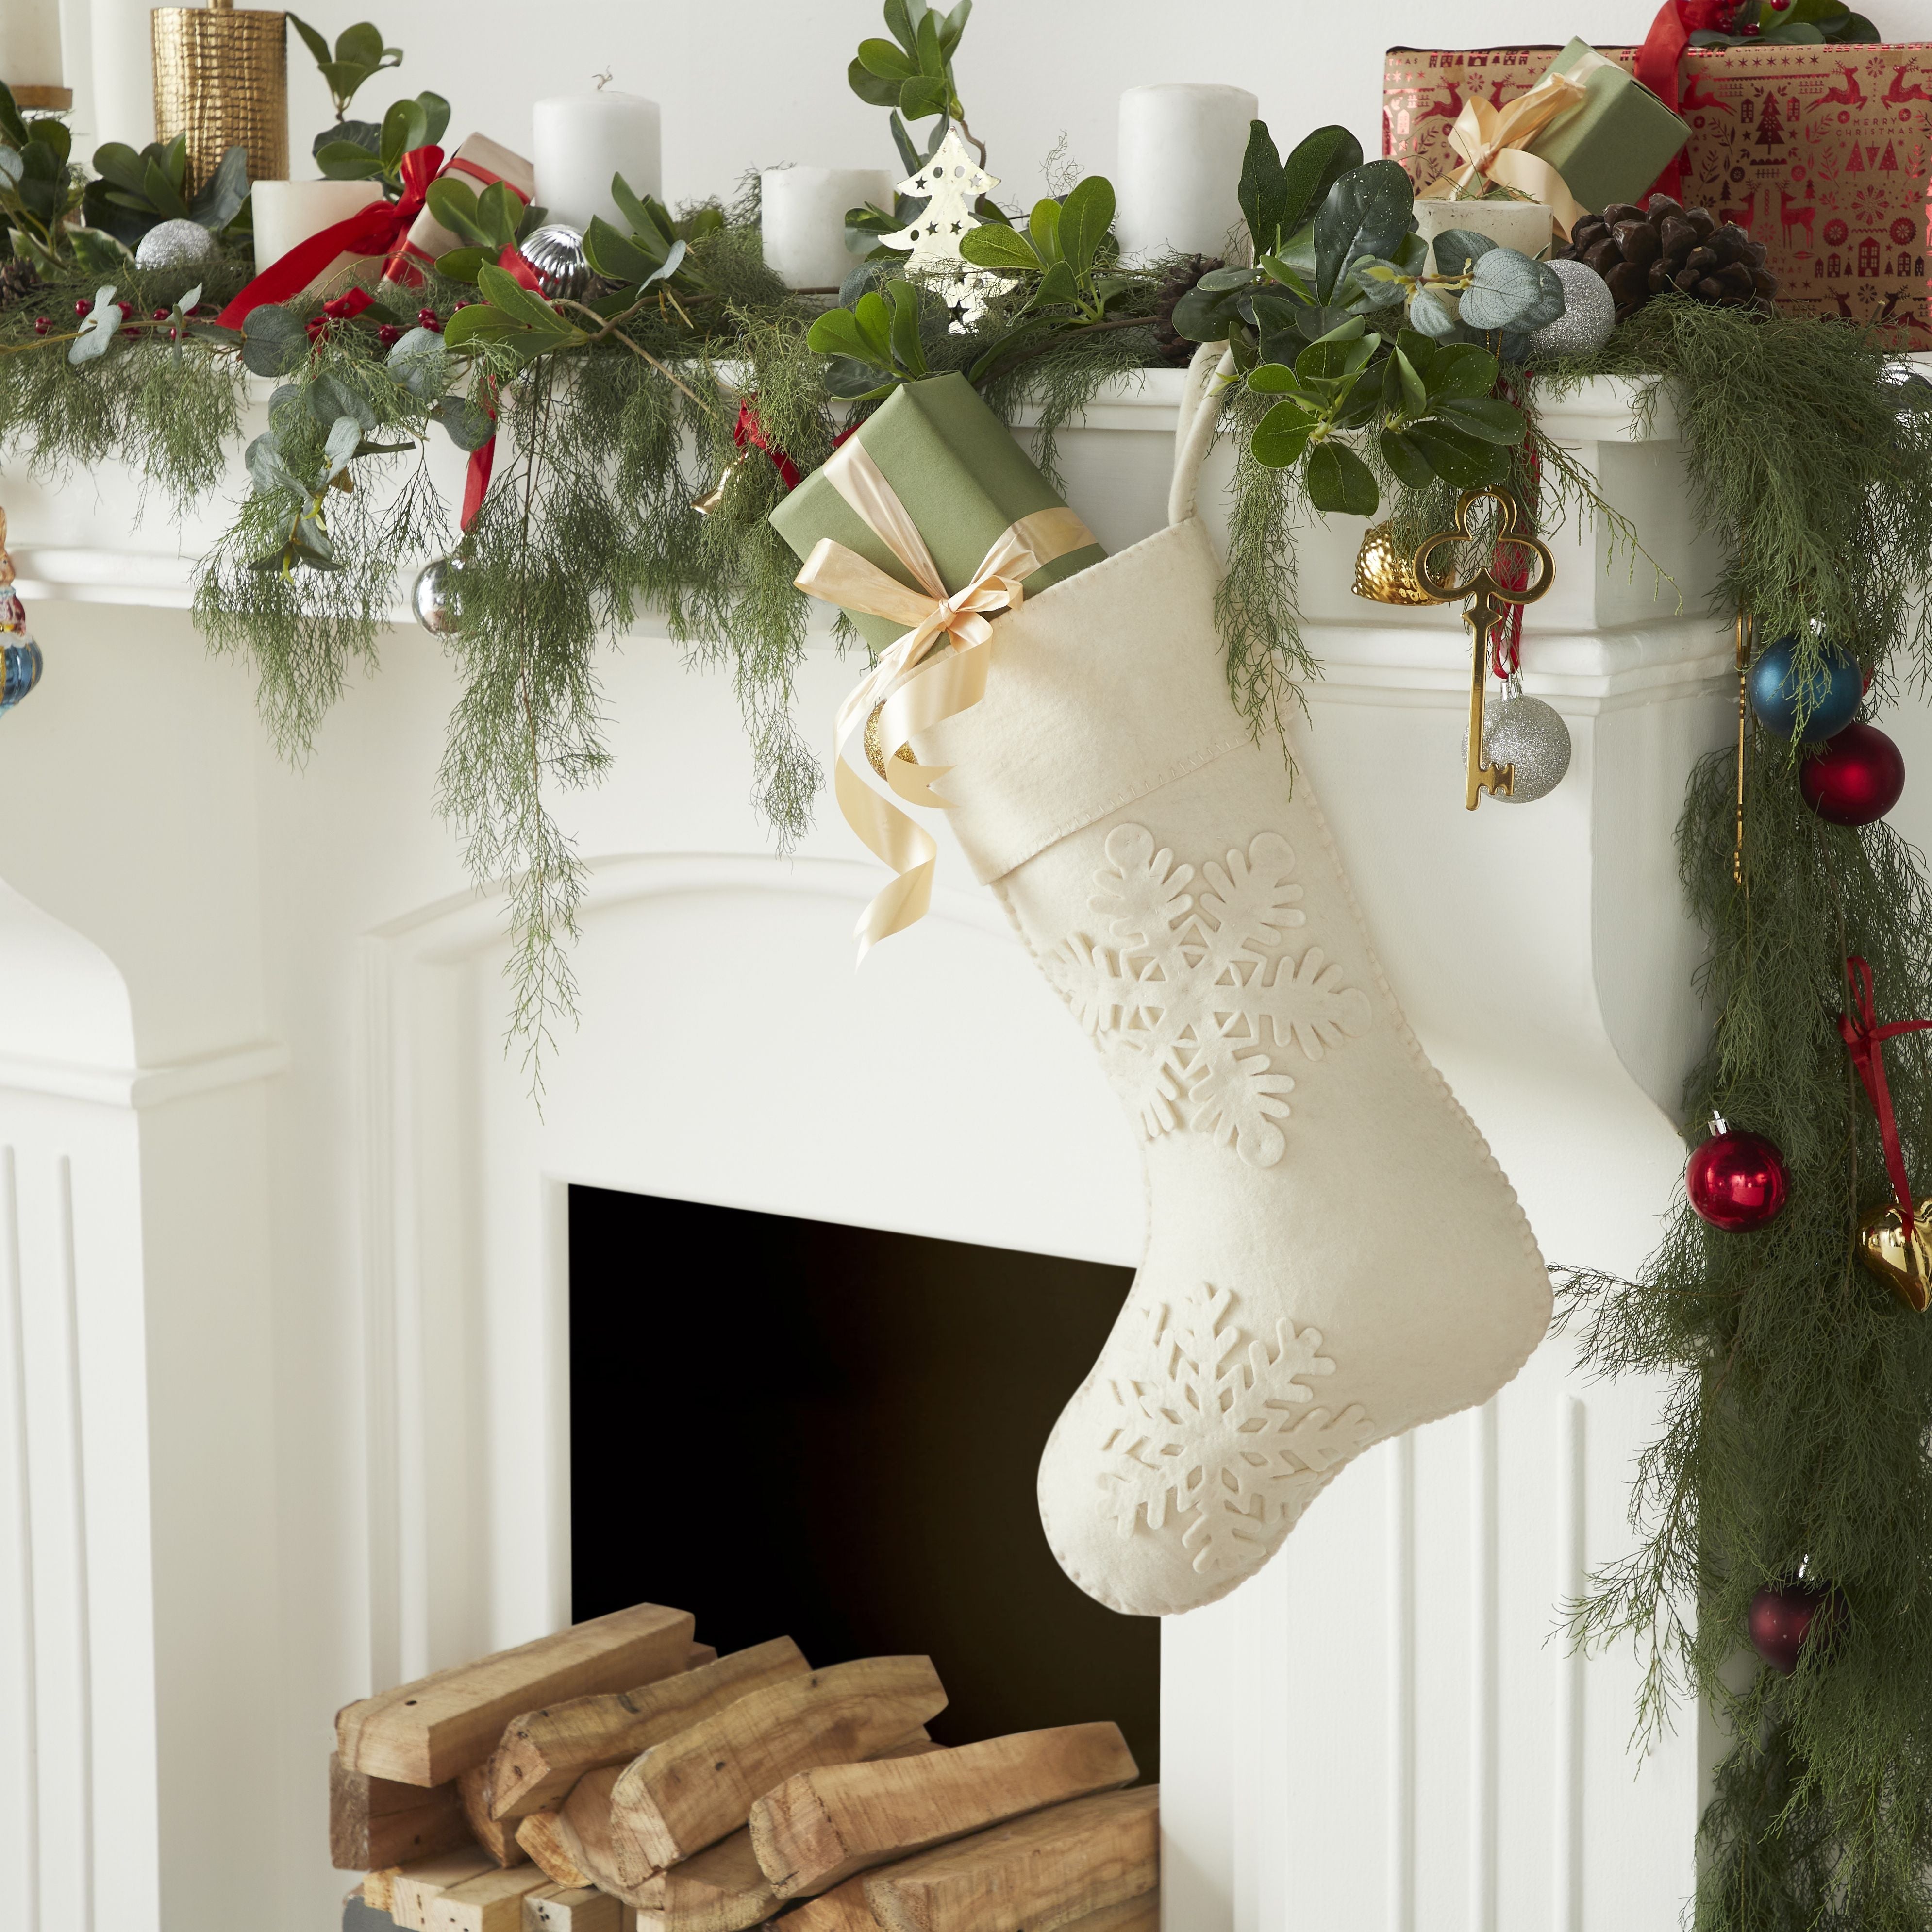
(1856, 779)
(1784, 1616)
(1737, 1182)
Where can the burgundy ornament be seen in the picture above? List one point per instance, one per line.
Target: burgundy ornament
(1856, 779)
(1783, 1617)
(1737, 1180)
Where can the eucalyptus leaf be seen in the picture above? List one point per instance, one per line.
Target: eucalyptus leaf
(1504, 288)
(1457, 248)
(98, 329)
(1429, 313)
(469, 426)
(420, 362)
(331, 400)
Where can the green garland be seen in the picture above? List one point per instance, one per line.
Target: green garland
(1800, 1392)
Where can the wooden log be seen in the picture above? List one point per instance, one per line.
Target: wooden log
(542, 1835)
(412, 1887)
(579, 1909)
(1045, 1870)
(700, 1787)
(378, 1888)
(721, 1890)
(375, 1822)
(843, 1908)
(543, 1754)
(821, 1827)
(699, 1655)
(496, 1838)
(1134, 1915)
(430, 1732)
(493, 1903)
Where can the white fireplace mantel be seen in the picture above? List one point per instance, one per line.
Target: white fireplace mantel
(283, 1393)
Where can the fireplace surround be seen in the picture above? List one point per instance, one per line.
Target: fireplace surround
(285, 1408)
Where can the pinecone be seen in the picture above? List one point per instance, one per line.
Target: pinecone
(1171, 348)
(1642, 251)
(17, 282)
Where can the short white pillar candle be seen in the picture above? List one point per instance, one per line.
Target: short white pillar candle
(803, 215)
(582, 140)
(1524, 226)
(1180, 167)
(30, 44)
(286, 212)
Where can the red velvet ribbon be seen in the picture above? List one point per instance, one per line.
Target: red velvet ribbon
(373, 230)
(476, 478)
(1866, 1038)
(1657, 64)
(746, 429)
(400, 268)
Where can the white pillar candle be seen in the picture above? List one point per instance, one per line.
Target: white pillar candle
(30, 44)
(1524, 226)
(802, 214)
(1180, 167)
(582, 140)
(286, 212)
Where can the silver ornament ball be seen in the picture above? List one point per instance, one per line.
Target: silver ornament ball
(1589, 314)
(184, 245)
(438, 596)
(556, 251)
(1525, 733)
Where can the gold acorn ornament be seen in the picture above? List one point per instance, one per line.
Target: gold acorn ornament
(1384, 574)
(1902, 1261)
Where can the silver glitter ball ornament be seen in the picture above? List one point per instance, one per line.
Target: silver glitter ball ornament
(1589, 314)
(438, 596)
(1526, 734)
(177, 245)
(556, 251)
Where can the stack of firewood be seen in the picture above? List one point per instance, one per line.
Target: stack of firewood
(620, 1776)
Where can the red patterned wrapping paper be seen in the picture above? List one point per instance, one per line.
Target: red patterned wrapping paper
(1821, 152)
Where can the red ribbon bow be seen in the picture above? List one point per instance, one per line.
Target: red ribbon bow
(747, 430)
(374, 230)
(1866, 1038)
(1657, 63)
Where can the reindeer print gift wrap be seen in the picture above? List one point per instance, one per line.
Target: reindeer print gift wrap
(1821, 153)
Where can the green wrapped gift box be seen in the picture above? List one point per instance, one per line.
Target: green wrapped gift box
(962, 479)
(1614, 144)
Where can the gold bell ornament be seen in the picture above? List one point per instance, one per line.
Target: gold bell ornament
(1903, 1262)
(1384, 574)
(221, 77)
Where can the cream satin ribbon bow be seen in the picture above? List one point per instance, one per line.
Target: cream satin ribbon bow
(1491, 142)
(915, 683)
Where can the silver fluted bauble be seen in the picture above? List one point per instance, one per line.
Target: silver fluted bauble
(556, 251)
(184, 245)
(1589, 314)
(438, 596)
(1526, 734)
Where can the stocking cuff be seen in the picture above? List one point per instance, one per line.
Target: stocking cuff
(1100, 691)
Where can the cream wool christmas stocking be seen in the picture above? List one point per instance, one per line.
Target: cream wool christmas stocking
(1187, 903)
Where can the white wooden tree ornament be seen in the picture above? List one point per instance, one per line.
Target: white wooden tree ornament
(952, 180)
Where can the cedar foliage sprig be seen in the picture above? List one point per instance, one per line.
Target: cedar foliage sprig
(1799, 1399)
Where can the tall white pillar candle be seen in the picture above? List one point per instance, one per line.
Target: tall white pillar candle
(289, 211)
(582, 140)
(803, 218)
(1180, 165)
(30, 44)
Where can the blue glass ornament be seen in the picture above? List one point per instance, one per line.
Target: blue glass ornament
(19, 669)
(1833, 691)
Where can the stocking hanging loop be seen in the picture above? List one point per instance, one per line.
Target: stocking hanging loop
(1207, 375)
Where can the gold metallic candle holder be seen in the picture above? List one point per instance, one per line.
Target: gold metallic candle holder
(1488, 604)
(221, 77)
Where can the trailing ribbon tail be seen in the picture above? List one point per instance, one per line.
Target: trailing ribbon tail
(915, 684)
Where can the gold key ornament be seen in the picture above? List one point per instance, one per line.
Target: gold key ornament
(1490, 603)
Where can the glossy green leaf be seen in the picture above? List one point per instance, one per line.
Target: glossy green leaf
(343, 160)
(435, 116)
(1405, 460)
(1411, 392)
(1340, 482)
(995, 245)
(1317, 162)
(1461, 369)
(1273, 379)
(1459, 459)
(923, 94)
(362, 43)
(651, 235)
(220, 199)
(615, 255)
(870, 88)
(1487, 417)
(886, 60)
(1085, 217)
(1282, 436)
(1263, 191)
(907, 351)
(1366, 213)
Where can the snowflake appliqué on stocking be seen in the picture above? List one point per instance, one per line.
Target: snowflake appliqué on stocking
(1198, 999)
(1218, 1436)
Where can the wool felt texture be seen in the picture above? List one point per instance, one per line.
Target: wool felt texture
(1334, 1255)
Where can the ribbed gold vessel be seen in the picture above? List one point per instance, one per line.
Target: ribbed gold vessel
(221, 75)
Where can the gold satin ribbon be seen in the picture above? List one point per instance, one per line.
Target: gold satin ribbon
(915, 684)
(1490, 141)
